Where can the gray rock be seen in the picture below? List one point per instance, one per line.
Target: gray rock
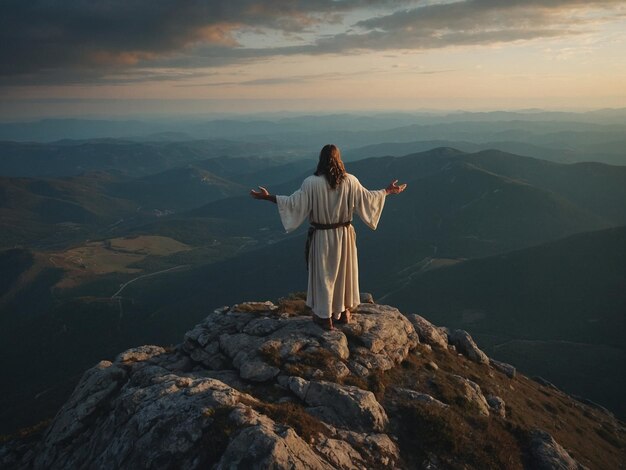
(248, 335)
(466, 346)
(503, 367)
(471, 393)
(593, 404)
(340, 454)
(497, 405)
(547, 454)
(344, 405)
(95, 388)
(540, 380)
(386, 335)
(376, 447)
(140, 417)
(427, 332)
(417, 397)
(262, 326)
(141, 353)
(257, 371)
(367, 298)
(358, 369)
(215, 361)
(238, 346)
(268, 446)
(298, 386)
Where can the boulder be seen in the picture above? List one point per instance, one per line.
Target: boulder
(263, 444)
(384, 336)
(142, 353)
(471, 393)
(417, 397)
(427, 332)
(140, 417)
(466, 346)
(497, 405)
(506, 369)
(540, 380)
(547, 454)
(257, 370)
(341, 405)
(375, 447)
(340, 454)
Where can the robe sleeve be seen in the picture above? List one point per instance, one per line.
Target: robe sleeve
(293, 209)
(369, 204)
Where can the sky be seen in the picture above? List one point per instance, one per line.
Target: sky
(130, 57)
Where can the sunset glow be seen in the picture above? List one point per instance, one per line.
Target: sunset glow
(247, 56)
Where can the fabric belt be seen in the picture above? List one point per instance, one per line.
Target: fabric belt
(315, 226)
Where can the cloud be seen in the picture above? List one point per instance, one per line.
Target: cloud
(460, 23)
(78, 41)
(38, 36)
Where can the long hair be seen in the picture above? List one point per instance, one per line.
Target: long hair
(330, 165)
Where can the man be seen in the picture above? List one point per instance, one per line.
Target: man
(328, 198)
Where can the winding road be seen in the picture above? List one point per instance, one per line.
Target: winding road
(123, 286)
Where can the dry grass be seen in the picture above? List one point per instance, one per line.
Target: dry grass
(147, 245)
(460, 442)
(294, 304)
(215, 440)
(111, 256)
(480, 442)
(295, 416)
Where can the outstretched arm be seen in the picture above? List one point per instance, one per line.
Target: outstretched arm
(263, 194)
(393, 188)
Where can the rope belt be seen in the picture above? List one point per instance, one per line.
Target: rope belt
(315, 226)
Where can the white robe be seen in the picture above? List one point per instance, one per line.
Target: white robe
(333, 283)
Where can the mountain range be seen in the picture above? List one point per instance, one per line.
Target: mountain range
(464, 217)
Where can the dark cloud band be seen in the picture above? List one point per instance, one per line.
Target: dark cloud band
(53, 41)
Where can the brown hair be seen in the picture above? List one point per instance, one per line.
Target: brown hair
(330, 165)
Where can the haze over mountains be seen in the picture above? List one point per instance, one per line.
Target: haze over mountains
(512, 227)
(558, 136)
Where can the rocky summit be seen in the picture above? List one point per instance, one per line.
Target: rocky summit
(258, 385)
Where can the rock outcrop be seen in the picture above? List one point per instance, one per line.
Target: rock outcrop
(548, 454)
(259, 385)
(427, 332)
(464, 344)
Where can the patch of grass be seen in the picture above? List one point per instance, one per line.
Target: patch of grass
(295, 416)
(214, 441)
(308, 361)
(483, 443)
(294, 304)
(377, 384)
(270, 352)
(609, 436)
(355, 381)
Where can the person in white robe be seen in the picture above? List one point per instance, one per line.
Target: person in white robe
(333, 271)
